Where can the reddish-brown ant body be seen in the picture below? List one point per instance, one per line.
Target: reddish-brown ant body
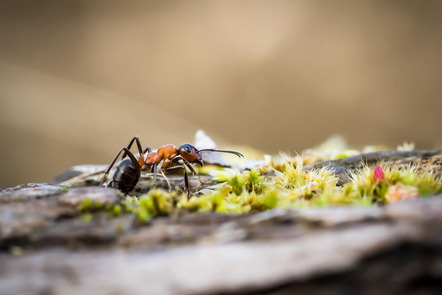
(128, 171)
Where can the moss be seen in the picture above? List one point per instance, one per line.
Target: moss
(119, 228)
(296, 187)
(237, 184)
(116, 210)
(16, 250)
(155, 203)
(86, 217)
(363, 182)
(87, 205)
(284, 185)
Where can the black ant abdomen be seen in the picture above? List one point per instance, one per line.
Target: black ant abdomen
(126, 176)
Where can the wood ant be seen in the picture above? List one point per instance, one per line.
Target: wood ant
(129, 169)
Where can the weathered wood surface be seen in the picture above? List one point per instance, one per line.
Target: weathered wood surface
(396, 249)
(375, 157)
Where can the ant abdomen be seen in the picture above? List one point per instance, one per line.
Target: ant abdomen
(126, 176)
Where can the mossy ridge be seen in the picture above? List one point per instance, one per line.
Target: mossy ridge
(292, 187)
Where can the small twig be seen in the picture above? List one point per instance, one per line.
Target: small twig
(79, 178)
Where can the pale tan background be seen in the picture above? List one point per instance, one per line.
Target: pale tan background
(79, 78)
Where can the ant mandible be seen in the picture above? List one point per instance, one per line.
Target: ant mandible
(129, 169)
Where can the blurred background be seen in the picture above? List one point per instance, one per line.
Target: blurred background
(78, 79)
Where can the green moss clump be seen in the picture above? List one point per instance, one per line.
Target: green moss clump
(16, 250)
(296, 187)
(116, 210)
(86, 217)
(288, 185)
(155, 203)
(89, 206)
(363, 184)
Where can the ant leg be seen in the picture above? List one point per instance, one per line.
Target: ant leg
(165, 164)
(186, 183)
(155, 165)
(140, 149)
(162, 174)
(173, 168)
(131, 156)
(148, 149)
(188, 164)
(186, 178)
(167, 180)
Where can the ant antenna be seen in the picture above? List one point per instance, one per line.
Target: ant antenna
(223, 151)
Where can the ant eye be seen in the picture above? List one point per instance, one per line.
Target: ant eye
(187, 148)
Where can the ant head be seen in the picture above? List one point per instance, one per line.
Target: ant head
(190, 153)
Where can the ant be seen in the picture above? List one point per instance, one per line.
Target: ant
(129, 169)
